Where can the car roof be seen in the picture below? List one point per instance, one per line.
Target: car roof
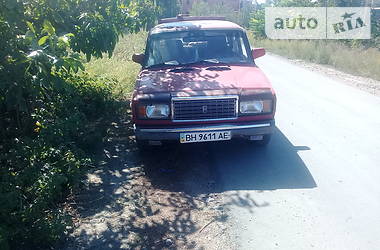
(195, 25)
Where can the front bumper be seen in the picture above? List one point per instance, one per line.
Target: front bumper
(239, 130)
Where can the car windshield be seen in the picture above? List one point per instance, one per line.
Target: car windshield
(211, 46)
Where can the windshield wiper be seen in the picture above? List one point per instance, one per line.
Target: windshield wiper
(216, 61)
(175, 63)
(169, 63)
(182, 69)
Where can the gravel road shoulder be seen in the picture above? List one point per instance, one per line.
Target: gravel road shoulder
(363, 83)
(164, 199)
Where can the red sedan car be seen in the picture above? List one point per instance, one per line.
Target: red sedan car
(199, 82)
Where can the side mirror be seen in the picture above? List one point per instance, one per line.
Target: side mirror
(259, 52)
(138, 58)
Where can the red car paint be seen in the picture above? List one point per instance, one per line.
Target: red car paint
(237, 80)
(202, 80)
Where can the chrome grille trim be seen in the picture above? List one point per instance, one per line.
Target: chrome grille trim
(226, 107)
(203, 128)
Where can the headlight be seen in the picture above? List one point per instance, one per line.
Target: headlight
(256, 107)
(154, 111)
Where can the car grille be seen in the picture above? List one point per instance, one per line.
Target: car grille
(198, 108)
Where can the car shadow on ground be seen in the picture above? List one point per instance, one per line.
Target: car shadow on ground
(168, 197)
(277, 166)
(235, 165)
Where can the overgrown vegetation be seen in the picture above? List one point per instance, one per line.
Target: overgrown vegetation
(120, 66)
(52, 113)
(42, 165)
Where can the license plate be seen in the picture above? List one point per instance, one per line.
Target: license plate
(205, 136)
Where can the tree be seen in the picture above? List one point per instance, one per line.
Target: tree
(201, 8)
(167, 8)
(47, 107)
(43, 37)
(257, 24)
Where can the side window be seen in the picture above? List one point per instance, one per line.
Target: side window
(152, 53)
(155, 52)
(165, 50)
(237, 46)
(243, 48)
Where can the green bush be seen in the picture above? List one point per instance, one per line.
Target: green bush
(38, 170)
(257, 24)
(52, 117)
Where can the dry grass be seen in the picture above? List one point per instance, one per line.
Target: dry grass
(357, 61)
(120, 65)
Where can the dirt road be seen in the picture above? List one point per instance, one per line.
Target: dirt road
(316, 185)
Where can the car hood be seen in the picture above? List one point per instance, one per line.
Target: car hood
(194, 79)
